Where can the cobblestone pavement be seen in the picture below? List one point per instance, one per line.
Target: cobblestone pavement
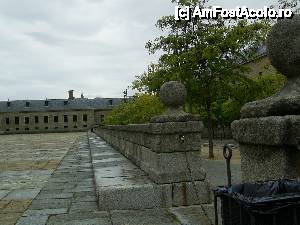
(26, 163)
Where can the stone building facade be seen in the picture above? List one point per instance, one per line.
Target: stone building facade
(54, 115)
(260, 64)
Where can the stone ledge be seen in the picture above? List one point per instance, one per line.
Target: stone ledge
(272, 131)
(160, 128)
(121, 185)
(162, 167)
(166, 143)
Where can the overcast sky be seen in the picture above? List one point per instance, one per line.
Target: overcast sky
(95, 47)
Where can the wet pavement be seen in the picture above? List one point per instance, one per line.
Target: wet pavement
(216, 168)
(68, 193)
(62, 191)
(26, 163)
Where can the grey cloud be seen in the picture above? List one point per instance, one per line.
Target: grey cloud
(93, 46)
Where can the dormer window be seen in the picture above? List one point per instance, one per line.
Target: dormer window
(46, 103)
(27, 104)
(65, 102)
(110, 101)
(8, 103)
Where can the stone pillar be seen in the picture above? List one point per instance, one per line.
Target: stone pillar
(269, 130)
(167, 149)
(175, 148)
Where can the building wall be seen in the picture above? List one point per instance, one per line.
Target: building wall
(260, 65)
(99, 115)
(51, 126)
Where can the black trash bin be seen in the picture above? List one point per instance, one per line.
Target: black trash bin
(275, 202)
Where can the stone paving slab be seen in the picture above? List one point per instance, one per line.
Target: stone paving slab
(26, 163)
(11, 180)
(9, 218)
(37, 212)
(69, 198)
(3, 193)
(144, 217)
(22, 194)
(122, 185)
(69, 191)
(92, 218)
(3, 204)
(30, 220)
(16, 206)
(191, 215)
(50, 203)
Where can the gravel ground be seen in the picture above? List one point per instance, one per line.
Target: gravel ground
(216, 168)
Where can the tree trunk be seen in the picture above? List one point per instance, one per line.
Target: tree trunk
(210, 132)
(190, 107)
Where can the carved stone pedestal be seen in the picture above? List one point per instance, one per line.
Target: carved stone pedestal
(269, 147)
(269, 131)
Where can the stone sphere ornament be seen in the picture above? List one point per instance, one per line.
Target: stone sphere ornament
(172, 94)
(283, 46)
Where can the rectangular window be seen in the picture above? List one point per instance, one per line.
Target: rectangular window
(7, 120)
(17, 120)
(46, 103)
(84, 117)
(46, 119)
(65, 118)
(26, 119)
(27, 104)
(110, 101)
(36, 119)
(56, 119)
(102, 118)
(74, 118)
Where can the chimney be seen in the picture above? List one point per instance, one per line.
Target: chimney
(71, 96)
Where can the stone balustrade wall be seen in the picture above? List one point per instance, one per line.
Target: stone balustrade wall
(165, 151)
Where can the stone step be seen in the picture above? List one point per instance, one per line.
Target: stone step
(120, 185)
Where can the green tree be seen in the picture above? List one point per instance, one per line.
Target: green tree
(205, 55)
(263, 85)
(139, 110)
(268, 84)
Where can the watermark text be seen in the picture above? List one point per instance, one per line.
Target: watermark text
(188, 13)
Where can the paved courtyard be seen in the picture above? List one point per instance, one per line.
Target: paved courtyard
(26, 164)
(216, 168)
(49, 179)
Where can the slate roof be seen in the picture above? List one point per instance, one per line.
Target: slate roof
(59, 104)
(260, 52)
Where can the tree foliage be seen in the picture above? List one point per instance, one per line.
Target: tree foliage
(225, 110)
(205, 55)
(139, 110)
